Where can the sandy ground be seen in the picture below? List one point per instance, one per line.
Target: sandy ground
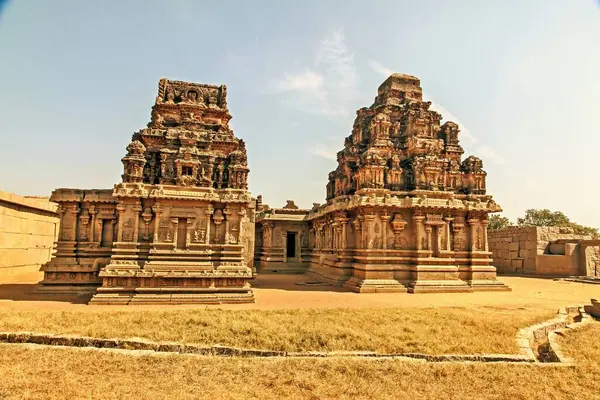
(274, 291)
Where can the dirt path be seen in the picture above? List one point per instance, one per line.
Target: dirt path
(282, 292)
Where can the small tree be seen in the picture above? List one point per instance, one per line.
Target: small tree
(545, 217)
(499, 222)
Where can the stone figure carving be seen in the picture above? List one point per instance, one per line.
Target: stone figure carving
(170, 97)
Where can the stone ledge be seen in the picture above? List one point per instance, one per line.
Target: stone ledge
(547, 332)
(43, 204)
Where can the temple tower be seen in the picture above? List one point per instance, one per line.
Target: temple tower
(403, 212)
(182, 219)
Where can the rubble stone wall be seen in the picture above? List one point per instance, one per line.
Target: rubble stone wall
(28, 230)
(533, 250)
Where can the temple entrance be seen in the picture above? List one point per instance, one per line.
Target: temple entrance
(181, 233)
(290, 251)
(107, 233)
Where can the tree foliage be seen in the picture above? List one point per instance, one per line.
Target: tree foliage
(545, 217)
(499, 222)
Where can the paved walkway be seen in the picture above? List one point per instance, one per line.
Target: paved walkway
(282, 292)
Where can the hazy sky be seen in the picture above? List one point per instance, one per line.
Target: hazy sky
(522, 79)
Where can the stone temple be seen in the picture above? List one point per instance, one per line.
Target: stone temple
(403, 213)
(179, 228)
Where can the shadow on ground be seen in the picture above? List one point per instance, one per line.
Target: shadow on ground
(293, 282)
(27, 292)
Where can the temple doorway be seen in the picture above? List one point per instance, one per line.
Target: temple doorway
(290, 251)
(107, 233)
(181, 233)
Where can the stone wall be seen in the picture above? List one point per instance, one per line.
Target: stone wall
(28, 230)
(538, 251)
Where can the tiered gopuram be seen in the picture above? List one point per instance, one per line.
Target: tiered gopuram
(403, 212)
(179, 228)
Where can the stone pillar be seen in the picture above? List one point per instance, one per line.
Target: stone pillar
(265, 234)
(367, 229)
(335, 230)
(209, 211)
(242, 220)
(92, 235)
(473, 233)
(484, 224)
(61, 212)
(188, 232)
(121, 212)
(418, 220)
(357, 232)
(157, 212)
(318, 238)
(447, 229)
(75, 211)
(136, 224)
(385, 218)
(345, 233)
(175, 222)
(226, 213)
(428, 229)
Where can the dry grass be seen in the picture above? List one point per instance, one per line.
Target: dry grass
(29, 373)
(429, 330)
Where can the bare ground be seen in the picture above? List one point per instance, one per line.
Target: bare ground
(282, 292)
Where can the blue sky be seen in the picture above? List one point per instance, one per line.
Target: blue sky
(520, 77)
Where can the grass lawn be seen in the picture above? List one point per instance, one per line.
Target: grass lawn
(424, 330)
(55, 373)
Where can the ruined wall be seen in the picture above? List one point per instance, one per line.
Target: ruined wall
(533, 250)
(28, 229)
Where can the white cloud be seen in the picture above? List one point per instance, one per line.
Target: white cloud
(334, 57)
(327, 85)
(328, 152)
(487, 153)
(380, 69)
(306, 80)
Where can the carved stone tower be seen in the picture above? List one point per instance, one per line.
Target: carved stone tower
(181, 221)
(402, 212)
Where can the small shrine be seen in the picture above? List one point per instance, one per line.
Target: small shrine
(179, 228)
